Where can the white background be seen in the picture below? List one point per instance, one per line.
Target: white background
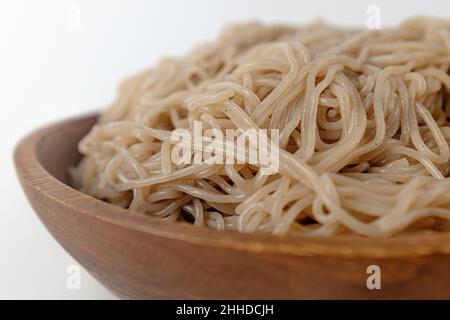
(51, 68)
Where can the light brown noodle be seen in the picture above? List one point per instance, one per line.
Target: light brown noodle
(363, 130)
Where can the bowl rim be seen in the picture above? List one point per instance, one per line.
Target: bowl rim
(33, 174)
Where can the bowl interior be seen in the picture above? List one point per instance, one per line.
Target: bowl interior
(58, 151)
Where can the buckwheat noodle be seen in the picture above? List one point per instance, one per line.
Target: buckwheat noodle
(363, 122)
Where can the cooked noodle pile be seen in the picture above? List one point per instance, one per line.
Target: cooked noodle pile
(363, 132)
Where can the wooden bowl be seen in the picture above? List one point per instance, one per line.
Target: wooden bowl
(137, 256)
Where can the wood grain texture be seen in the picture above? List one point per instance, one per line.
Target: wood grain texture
(137, 256)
